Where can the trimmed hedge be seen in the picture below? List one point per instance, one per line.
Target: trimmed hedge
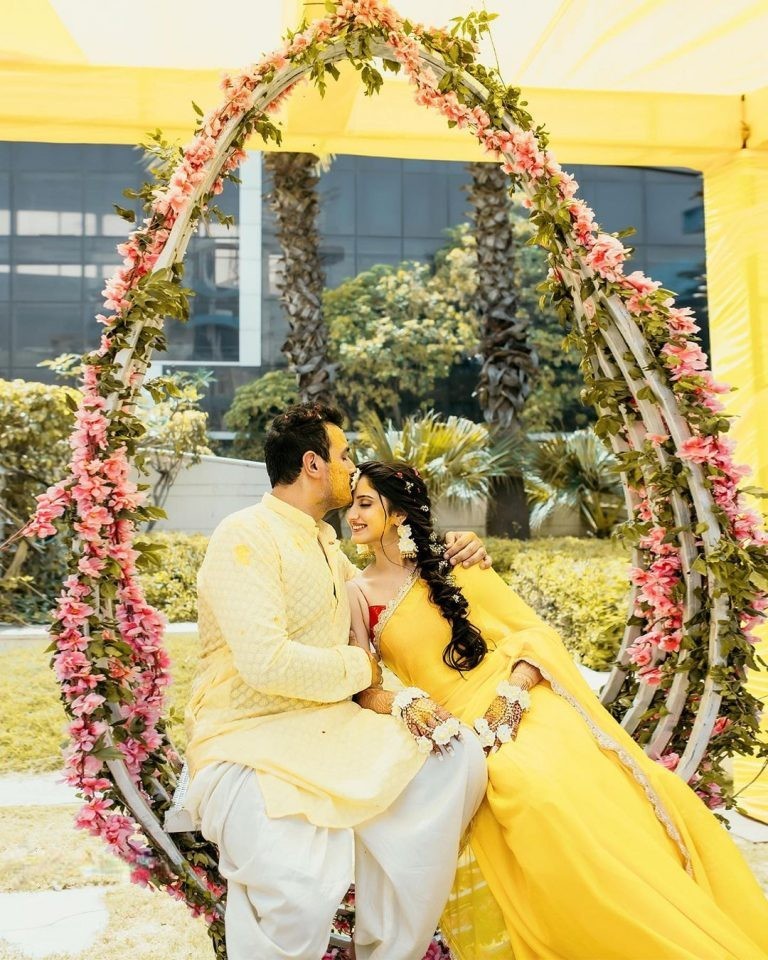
(172, 587)
(578, 586)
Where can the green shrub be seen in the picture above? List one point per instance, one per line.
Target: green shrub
(172, 586)
(578, 586)
(254, 407)
(36, 420)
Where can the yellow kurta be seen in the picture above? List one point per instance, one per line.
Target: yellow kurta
(590, 849)
(276, 673)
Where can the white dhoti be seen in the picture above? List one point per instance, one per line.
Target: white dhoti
(286, 876)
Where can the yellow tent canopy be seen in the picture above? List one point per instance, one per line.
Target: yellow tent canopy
(641, 82)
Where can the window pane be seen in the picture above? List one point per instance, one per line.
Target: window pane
(102, 191)
(425, 206)
(668, 205)
(5, 334)
(373, 250)
(48, 282)
(5, 205)
(40, 332)
(50, 204)
(379, 202)
(337, 201)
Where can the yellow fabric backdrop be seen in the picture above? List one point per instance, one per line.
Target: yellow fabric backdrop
(736, 201)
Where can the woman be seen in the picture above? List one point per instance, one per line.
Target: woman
(589, 848)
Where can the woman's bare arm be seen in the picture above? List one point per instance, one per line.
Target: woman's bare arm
(358, 608)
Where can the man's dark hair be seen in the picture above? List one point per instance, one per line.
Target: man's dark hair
(291, 434)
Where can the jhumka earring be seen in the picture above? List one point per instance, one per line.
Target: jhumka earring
(406, 544)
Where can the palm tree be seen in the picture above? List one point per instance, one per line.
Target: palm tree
(457, 458)
(294, 201)
(575, 471)
(509, 361)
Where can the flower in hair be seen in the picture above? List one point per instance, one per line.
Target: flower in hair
(355, 479)
(424, 507)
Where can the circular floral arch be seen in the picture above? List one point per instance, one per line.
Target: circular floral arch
(700, 563)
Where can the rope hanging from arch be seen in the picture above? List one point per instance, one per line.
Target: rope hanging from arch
(700, 563)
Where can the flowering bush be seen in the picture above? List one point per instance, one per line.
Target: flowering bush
(702, 563)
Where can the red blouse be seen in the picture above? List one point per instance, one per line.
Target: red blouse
(374, 612)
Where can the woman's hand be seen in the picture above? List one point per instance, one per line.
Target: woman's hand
(423, 717)
(499, 724)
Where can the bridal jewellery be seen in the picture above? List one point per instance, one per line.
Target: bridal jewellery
(404, 708)
(514, 696)
(406, 544)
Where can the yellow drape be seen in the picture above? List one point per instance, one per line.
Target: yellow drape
(736, 205)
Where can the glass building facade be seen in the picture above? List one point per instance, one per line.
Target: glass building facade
(58, 231)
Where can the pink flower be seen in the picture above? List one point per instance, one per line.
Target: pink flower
(698, 449)
(141, 876)
(91, 566)
(686, 359)
(641, 286)
(85, 732)
(657, 438)
(92, 812)
(87, 704)
(73, 613)
(607, 256)
(681, 321)
(721, 724)
(671, 641)
(69, 663)
(583, 222)
(650, 675)
(669, 760)
(71, 639)
(640, 654)
(117, 830)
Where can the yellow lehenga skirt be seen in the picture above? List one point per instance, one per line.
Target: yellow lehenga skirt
(584, 847)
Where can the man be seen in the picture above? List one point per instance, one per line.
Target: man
(301, 790)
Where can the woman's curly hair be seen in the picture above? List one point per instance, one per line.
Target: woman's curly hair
(403, 488)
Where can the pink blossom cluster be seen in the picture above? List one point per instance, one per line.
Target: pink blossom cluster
(656, 604)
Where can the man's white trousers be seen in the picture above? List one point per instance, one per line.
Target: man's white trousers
(286, 876)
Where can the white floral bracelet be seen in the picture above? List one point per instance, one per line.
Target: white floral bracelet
(443, 733)
(404, 698)
(485, 735)
(514, 694)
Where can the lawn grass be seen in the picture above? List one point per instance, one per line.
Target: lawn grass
(32, 718)
(42, 850)
(142, 925)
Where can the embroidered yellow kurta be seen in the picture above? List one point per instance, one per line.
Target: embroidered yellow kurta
(276, 673)
(592, 851)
